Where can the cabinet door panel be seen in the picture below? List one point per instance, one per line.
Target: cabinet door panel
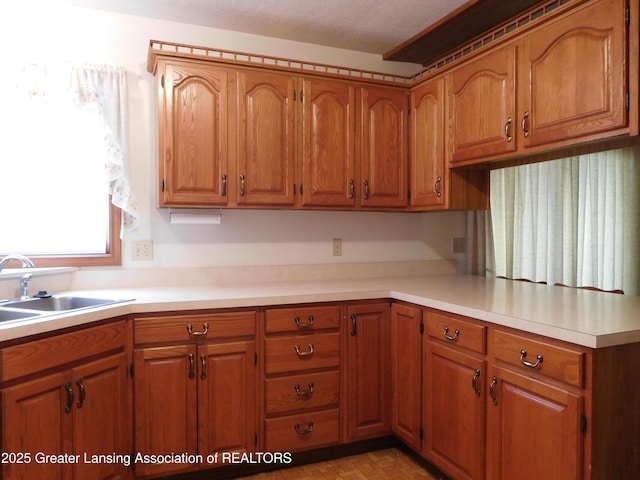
(565, 95)
(534, 430)
(384, 148)
(194, 160)
(454, 412)
(427, 143)
(165, 405)
(101, 425)
(482, 106)
(368, 358)
(328, 144)
(34, 420)
(406, 374)
(265, 139)
(226, 397)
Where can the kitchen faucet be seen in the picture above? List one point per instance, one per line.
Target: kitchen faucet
(26, 263)
(24, 280)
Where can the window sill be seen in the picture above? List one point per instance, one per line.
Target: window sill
(18, 272)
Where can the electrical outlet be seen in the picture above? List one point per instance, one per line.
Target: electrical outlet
(142, 250)
(337, 247)
(458, 245)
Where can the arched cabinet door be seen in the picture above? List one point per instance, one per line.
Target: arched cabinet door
(193, 135)
(564, 96)
(483, 106)
(328, 143)
(428, 164)
(383, 134)
(266, 139)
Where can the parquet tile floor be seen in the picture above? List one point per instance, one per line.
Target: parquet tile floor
(387, 464)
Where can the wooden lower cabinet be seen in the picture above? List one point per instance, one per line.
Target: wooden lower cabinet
(454, 404)
(406, 374)
(302, 377)
(368, 370)
(198, 397)
(75, 414)
(454, 396)
(534, 429)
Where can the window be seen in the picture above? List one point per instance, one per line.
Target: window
(573, 222)
(65, 192)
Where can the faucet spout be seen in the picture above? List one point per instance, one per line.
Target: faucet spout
(26, 263)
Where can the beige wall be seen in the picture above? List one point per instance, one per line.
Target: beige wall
(42, 30)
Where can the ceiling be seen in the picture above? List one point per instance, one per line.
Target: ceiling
(373, 26)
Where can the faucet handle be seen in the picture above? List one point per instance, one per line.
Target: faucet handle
(24, 286)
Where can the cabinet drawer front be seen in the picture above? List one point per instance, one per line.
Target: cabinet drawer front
(52, 352)
(302, 319)
(320, 350)
(563, 364)
(202, 326)
(457, 331)
(300, 392)
(304, 431)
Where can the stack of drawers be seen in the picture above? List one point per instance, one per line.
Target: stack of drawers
(302, 377)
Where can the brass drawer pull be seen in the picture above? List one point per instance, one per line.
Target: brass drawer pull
(523, 355)
(70, 397)
(306, 431)
(304, 393)
(523, 124)
(366, 189)
(507, 129)
(436, 187)
(449, 337)
(83, 393)
(352, 189)
(192, 366)
(223, 192)
(474, 382)
(243, 185)
(354, 325)
(304, 354)
(205, 330)
(492, 390)
(309, 323)
(203, 363)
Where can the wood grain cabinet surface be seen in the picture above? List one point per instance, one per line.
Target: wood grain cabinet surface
(193, 121)
(454, 394)
(74, 401)
(195, 383)
(368, 371)
(302, 377)
(560, 84)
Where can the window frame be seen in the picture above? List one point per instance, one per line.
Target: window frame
(112, 256)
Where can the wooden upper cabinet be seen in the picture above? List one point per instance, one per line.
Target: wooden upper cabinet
(383, 154)
(328, 143)
(573, 76)
(428, 179)
(265, 139)
(483, 106)
(193, 135)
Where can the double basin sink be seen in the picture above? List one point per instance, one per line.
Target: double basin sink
(49, 305)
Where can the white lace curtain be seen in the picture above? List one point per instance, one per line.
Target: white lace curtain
(574, 221)
(97, 97)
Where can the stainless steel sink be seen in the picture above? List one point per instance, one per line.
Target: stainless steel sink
(60, 303)
(8, 315)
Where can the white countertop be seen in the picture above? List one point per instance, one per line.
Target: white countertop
(591, 319)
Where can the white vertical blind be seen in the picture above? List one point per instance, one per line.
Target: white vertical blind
(574, 221)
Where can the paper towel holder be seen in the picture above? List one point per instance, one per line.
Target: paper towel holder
(195, 216)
